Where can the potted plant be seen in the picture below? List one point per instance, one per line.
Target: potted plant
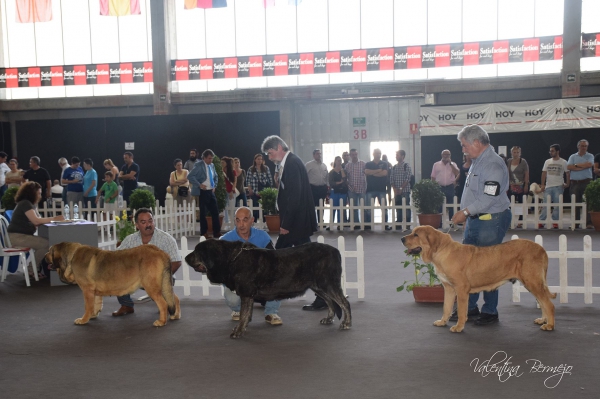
(426, 287)
(140, 198)
(428, 198)
(268, 201)
(592, 201)
(220, 194)
(125, 226)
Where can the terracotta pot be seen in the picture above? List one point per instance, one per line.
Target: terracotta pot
(273, 223)
(209, 232)
(434, 220)
(429, 294)
(595, 217)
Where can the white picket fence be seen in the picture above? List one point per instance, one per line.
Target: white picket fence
(202, 281)
(563, 255)
(567, 220)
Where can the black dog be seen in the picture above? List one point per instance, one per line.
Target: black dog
(273, 275)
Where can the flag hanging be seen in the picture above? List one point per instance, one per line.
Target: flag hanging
(119, 8)
(192, 4)
(29, 11)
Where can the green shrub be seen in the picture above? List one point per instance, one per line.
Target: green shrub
(8, 199)
(592, 196)
(220, 190)
(268, 200)
(428, 197)
(141, 199)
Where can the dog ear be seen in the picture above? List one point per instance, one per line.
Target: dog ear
(430, 237)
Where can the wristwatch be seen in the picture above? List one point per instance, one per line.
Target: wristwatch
(466, 213)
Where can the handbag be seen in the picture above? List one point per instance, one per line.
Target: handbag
(182, 191)
(516, 189)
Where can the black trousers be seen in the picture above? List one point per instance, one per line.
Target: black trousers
(209, 201)
(318, 192)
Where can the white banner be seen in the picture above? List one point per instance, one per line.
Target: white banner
(580, 113)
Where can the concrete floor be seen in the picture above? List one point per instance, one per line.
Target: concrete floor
(393, 350)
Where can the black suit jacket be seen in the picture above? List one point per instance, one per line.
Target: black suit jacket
(295, 201)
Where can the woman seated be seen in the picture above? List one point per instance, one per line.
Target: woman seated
(26, 219)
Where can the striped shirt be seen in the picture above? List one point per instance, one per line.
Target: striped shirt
(161, 239)
(357, 182)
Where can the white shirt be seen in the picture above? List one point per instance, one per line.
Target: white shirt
(282, 164)
(3, 169)
(161, 239)
(317, 173)
(207, 182)
(555, 171)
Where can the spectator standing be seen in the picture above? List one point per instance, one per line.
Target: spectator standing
(345, 159)
(203, 180)
(357, 183)
(338, 181)
(110, 191)
(400, 181)
(388, 186)
(4, 169)
(317, 178)
(90, 183)
(56, 190)
(230, 187)
(485, 210)
(64, 164)
(446, 172)
(189, 165)
(240, 183)
(40, 176)
(294, 201)
(518, 172)
(130, 174)
(179, 179)
(464, 171)
(15, 176)
(259, 178)
(553, 183)
(580, 165)
(377, 181)
(73, 178)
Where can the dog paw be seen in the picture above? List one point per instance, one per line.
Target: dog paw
(547, 327)
(540, 321)
(327, 320)
(344, 326)
(80, 321)
(159, 323)
(456, 329)
(236, 334)
(439, 323)
(176, 317)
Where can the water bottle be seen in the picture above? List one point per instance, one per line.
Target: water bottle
(75, 211)
(66, 212)
(120, 202)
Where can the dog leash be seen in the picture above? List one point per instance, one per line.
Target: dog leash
(453, 227)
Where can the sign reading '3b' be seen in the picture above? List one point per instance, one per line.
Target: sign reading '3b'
(359, 128)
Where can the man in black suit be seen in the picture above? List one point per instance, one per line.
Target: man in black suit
(295, 203)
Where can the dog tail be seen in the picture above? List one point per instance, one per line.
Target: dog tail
(167, 288)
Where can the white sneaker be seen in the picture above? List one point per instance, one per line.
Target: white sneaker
(235, 316)
(273, 320)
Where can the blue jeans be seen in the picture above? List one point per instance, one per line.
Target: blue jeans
(234, 302)
(354, 198)
(125, 300)
(484, 233)
(382, 201)
(398, 201)
(554, 193)
(242, 197)
(336, 197)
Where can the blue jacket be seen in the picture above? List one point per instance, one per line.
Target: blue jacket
(198, 175)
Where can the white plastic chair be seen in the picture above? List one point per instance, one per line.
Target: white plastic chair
(7, 251)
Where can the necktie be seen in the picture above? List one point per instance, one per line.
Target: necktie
(210, 176)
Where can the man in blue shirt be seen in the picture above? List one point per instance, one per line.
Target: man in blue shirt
(580, 165)
(73, 178)
(244, 232)
(203, 181)
(484, 209)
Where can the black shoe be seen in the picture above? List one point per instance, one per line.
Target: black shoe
(485, 318)
(471, 314)
(316, 305)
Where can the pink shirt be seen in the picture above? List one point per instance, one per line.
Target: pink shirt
(443, 173)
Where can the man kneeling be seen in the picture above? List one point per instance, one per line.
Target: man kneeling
(244, 232)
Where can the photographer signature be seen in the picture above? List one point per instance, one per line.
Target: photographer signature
(500, 364)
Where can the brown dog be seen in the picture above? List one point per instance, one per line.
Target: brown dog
(465, 269)
(102, 273)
